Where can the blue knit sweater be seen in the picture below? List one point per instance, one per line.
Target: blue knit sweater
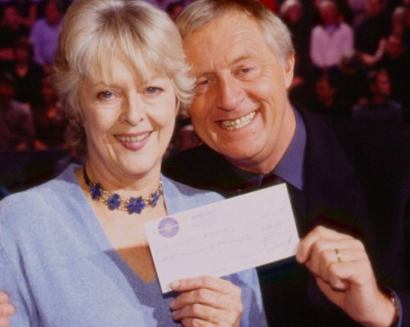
(59, 268)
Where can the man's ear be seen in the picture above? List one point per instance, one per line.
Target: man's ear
(289, 70)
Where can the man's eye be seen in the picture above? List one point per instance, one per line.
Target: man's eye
(204, 85)
(105, 95)
(245, 70)
(201, 85)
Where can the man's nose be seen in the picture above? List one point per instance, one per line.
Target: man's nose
(229, 94)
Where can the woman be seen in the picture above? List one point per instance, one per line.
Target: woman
(73, 252)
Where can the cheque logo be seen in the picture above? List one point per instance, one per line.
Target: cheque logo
(168, 227)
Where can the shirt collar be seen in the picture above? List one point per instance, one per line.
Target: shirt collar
(290, 167)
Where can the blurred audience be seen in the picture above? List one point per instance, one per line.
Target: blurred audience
(327, 100)
(350, 79)
(45, 32)
(25, 71)
(374, 27)
(28, 10)
(11, 29)
(49, 119)
(16, 121)
(379, 106)
(396, 60)
(337, 43)
(331, 39)
(175, 8)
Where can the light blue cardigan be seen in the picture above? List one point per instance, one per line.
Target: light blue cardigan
(59, 268)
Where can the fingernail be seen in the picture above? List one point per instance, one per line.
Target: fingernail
(175, 284)
(172, 304)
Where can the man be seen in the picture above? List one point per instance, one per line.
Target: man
(11, 30)
(396, 60)
(17, 130)
(243, 65)
(331, 39)
(242, 59)
(327, 100)
(379, 106)
(374, 27)
(45, 33)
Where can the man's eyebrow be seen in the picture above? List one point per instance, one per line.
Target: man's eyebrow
(243, 57)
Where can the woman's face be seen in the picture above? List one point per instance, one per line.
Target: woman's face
(128, 123)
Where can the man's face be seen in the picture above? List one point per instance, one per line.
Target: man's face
(382, 85)
(394, 46)
(328, 13)
(324, 91)
(373, 7)
(240, 108)
(11, 17)
(7, 91)
(52, 14)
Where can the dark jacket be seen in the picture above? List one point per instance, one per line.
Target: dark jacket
(356, 180)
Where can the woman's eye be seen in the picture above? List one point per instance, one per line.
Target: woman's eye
(105, 95)
(152, 90)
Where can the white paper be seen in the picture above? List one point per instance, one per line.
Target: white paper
(224, 237)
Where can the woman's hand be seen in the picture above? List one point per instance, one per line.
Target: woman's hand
(6, 310)
(207, 301)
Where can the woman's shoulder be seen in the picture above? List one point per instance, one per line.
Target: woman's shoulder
(29, 204)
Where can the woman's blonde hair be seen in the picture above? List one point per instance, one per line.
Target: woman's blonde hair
(202, 12)
(94, 31)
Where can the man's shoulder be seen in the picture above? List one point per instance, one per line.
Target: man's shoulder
(360, 139)
(195, 166)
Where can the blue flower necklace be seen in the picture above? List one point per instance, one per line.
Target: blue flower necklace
(113, 201)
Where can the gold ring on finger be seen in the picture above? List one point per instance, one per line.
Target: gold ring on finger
(339, 258)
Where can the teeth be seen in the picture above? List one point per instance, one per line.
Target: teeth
(138, 138)
(238, 123)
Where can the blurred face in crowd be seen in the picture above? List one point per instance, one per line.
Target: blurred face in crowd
(7, 91)
(22, 54)
(11, 17)
(128, 122)
(328, 12)
(48, 94)
(52, 14)
(240, 108)
(294, 14)
(324, 91)
(394, 46)
(382, 85)
(373, 7)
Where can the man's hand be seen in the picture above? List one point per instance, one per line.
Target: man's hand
(207, 301)
(344, 274)
(6, 310)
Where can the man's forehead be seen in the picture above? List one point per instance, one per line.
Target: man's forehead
(231, 23)
(225, 43)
